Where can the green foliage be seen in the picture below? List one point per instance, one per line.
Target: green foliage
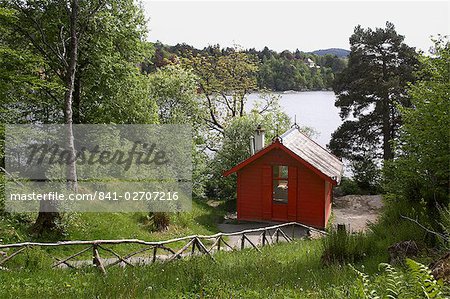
(174, 89)
(158, 221)
(365, 179)
(23, 92)
(224, 82)
(281, 73)
(393, 283)
(421, 170)
(113, 89)
(363, 289)
(370, 90)
(391, 228)
(444, 216)
(341, 246)
(236, 147)
(424, 280)
(282, 271)
(347, 187)
(109, 87)
(285, 270)
(2, 194)
(366, 174)
(202, 219)
(416, 282)
(277, 71)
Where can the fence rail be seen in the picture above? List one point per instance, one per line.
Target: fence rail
(268, 236)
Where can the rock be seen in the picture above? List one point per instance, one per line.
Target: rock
(2, 253)
(441, 268)
(401, 250)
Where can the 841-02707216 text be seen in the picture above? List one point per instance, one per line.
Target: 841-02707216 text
(97, 195)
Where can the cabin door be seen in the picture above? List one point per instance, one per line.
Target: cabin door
(280, 192)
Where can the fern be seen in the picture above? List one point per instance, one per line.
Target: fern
(425, 280)
(394, 281)
(366, 290)
(417, 282)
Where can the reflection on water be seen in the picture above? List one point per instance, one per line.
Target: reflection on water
(314, 109)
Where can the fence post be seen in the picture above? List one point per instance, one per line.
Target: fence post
(264, 238)
(154, 254)
(96, 259)
(242, 241)
(194, 243)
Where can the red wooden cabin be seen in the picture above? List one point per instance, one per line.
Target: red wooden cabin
(289, 180)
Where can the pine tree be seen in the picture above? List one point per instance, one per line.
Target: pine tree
(370, 90)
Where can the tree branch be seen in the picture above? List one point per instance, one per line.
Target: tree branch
(41, 32)
(425, 228)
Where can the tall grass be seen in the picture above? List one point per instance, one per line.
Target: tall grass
(343, 247)
(293, 270)
(282, 271)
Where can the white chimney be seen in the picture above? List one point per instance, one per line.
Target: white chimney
(259, 138)
(252, 145)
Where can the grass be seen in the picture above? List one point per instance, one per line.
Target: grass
(100, 226)
(285, 270)
(293, 270)
(90, 226)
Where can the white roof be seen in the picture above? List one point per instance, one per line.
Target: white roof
(313, 153)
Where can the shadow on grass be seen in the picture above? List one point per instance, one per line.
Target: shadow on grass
(212, 216)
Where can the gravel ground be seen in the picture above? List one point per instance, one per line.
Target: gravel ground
(235, 241)
(356, 211)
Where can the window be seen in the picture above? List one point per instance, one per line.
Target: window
(280, 184)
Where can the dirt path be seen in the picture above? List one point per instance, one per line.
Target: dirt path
(356, 211)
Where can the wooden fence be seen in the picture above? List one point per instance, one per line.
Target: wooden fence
(196, 243)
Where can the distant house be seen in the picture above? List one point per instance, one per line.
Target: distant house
(291, 179)
(310, 62)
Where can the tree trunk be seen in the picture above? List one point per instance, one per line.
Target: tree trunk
(68, 109)
(387, 149)
(49, 216)
(77, 99)
(387, 122)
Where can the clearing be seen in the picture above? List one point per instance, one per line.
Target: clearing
(356, 211)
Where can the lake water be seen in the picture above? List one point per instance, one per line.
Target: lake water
(314, 109)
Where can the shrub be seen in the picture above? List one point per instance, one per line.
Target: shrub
(392, 228)
(158, 221)
(366, 174)
(347, 187)
(444, 240)
(340, 246)
(416, 282)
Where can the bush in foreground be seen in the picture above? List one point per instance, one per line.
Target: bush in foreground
(341, 246)
(416, 282)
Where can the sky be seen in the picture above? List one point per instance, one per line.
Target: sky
(303, 25)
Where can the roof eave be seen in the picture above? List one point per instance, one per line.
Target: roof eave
(277, 144)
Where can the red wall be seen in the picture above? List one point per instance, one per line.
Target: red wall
(328, 200)
(308, 202)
